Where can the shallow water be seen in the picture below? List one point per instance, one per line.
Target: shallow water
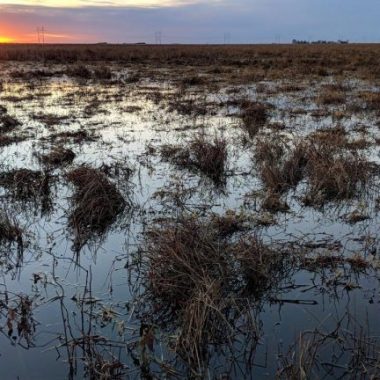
(104, 272)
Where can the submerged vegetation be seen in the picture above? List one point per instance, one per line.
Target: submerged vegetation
(189, 211)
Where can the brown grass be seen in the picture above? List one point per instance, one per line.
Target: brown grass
(25, 184)
(10, 231)
(281, 166)
(207, 156)
(8, 123)
(254, 116)
(327, 160)
(199, 280)
(331, 97)
(58, 156)
(253, 61)
(97, 204)
(335, 175)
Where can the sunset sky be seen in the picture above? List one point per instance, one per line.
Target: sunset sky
(189, 21)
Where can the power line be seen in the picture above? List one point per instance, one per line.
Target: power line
(41, 34)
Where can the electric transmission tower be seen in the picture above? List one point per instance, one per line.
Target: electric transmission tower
(41, 34)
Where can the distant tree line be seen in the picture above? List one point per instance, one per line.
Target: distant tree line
(304, 42)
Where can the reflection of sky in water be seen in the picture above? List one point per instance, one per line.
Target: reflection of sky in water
(125, 137)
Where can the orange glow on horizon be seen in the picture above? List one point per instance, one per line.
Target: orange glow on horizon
(6, 40)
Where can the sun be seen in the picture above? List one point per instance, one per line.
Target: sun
(5, 40)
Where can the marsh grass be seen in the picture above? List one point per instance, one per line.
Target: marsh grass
(25, 184)
(10, 231)
(254, 116)
(336, 175)
(329, 163)
(281, 166)
(58, 156)
(8, 123)
(200, 281)
(208, 156)
(97, 203)
(349, 351)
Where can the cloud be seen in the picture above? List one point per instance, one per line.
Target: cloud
(102, 3)
(196, 21)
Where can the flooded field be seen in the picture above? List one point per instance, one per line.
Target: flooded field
(207, 214)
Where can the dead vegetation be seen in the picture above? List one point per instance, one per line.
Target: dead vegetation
(252, 61)
(332, 169)
(254, 116)
(50, 119)
(27, 185)
(78, 137)
(331, 97)
(8, 123)
(10, 231)
(201, 282)
(58, 156)
(207, 156)
(6, 140)
(335, 175)
(348, 350)
(371, 101)
(281, 166)
(97, 204)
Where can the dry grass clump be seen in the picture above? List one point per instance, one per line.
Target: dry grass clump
(10, 232)
(273, 203)
(229, 224)
(187, 107)
(97, 204)
(78, 137)
(327, 160)
(26, 184)
(335, 175)
(208, 157)
(193, 81)
(79, 71)
(254, 116)
(103, 73)
(8, 123)
(58, 156)
(338, 138)
(200, 282)
(281, 166)
(331, 97)
(50, 119)
(9, 140)
(371, 100)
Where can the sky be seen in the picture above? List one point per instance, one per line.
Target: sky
(189, 21)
